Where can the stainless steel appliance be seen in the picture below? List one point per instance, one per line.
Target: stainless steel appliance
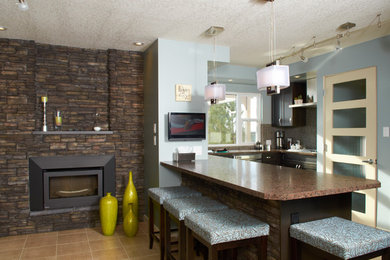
(279, 138)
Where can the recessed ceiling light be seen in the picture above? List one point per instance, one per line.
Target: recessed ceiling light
(138, 43)
(2, 28)
(297, 76)
(230, 80)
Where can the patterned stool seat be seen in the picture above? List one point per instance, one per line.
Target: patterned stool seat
(340, 237)
(164, 193)
(179, 209)
(158, 195)
(182, 207)
(225, 226)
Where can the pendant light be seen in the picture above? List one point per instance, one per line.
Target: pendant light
(275, 77)
(214, 91)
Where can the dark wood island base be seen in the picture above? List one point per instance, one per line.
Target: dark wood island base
(277, 195)
(278, 214)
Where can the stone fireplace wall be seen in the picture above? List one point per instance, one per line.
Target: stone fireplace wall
(80, 83)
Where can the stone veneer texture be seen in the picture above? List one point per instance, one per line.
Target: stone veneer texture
(267, 211)
(80, 83)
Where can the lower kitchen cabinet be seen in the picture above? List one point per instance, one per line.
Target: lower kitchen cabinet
(271, 158)
(299, 161)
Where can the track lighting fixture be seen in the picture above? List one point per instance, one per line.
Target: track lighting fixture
(338, 41)
(22, 5)
(379, 23)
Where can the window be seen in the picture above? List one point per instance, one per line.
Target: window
(235, 120)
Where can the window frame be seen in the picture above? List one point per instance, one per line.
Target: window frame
(240, 121)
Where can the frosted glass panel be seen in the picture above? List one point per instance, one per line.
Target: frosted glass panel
(359, 202)
(349, 145)
(349, 118)
(349, 169)
(350, 90)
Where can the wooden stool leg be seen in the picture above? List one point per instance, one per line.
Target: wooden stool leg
(167, 234)
(162, 233)
(213, 253)
(182, 240)
(151, 223)
(294, 249)
(189, 245)
(386, 256)
(262, 247)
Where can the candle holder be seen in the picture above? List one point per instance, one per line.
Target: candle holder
(44, 101)
(58, 120)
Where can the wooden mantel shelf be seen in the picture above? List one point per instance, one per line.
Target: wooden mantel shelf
(72, 133)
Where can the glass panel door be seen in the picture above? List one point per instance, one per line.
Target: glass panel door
(350, 134)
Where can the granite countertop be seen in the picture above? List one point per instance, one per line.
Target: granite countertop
(244, 152)
(270, 181)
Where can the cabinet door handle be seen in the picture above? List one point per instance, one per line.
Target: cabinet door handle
(280, 120)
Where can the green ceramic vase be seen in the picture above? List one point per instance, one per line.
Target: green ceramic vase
(108, 208)
(130, 222)
(130, 196)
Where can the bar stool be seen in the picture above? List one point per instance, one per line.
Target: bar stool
(178, 209)
(158, 195)
(226, 229)
(337, 238)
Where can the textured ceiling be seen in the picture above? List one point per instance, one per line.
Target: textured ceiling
(104, 24)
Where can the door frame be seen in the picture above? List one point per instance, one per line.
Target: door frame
(357, 215)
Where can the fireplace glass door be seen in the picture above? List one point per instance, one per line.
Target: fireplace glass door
(67, 189)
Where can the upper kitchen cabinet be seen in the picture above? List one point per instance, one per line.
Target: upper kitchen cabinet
(282, 114)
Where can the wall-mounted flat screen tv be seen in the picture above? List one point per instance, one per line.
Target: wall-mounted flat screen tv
(186, 126)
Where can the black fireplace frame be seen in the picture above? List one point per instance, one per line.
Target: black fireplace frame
(39, 165)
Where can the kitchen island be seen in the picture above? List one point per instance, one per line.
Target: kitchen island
(275, 194)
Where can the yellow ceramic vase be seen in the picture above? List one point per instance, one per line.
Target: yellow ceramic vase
(130, 222)
(130, 196)
(108, 208)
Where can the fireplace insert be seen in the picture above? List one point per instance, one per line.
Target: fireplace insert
(70, 181)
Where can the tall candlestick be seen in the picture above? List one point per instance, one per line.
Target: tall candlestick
(44, 101)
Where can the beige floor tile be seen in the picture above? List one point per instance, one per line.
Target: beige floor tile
(9, 238)
(111, 243)
(143, 227)
(110, 254)
(96, 234)
(7, 245)
(138, 240)
(46, 234)
(72, 238)
(142, 251)
(71, 231)
(34, 252)
(76, 256)
(47, 240)
(73, 248)
(150, 257)
(11, 254)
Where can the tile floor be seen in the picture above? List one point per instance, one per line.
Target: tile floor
(79, 244)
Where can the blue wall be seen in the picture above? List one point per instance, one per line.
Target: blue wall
(372, 53)
(181, 63)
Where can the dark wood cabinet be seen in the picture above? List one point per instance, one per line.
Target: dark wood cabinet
(271, 158)
(299, 161)
(282, 114)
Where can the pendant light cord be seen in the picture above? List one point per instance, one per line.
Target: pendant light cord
(272, 34)
(215, 68)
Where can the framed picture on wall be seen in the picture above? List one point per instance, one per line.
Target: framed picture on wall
(183, 92)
